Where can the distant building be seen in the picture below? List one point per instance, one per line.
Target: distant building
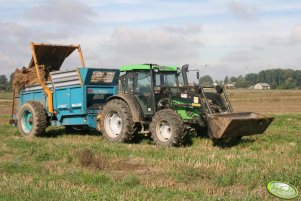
(230, 86)
(262, 86)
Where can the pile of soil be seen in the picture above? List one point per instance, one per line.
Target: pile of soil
(27, 76)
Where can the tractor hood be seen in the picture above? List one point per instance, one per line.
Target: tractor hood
(51, 56)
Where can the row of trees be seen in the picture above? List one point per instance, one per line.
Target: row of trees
(6, 85)
(276, 78)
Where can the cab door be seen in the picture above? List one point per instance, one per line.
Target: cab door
(139, 84)
(143, 92)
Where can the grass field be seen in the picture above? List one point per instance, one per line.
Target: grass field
(86, 167)
(266, 101)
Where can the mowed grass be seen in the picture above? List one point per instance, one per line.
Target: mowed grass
(266, 101)
(5, 106)
(6, 95)
(87, 167)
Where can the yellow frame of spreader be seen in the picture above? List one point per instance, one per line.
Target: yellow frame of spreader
(41, 82)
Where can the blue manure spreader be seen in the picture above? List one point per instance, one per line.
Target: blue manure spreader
(70, 98)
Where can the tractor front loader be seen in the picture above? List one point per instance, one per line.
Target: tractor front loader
(223, 122)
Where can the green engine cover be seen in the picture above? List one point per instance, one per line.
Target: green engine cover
(185, 108)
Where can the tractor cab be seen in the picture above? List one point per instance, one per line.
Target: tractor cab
(147, 83)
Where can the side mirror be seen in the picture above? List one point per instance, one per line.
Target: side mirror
(198, 75)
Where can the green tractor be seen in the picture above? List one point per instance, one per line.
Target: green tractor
(159, 100)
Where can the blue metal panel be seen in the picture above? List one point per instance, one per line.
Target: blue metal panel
(92, 120)
(83, 74)
(38, 96)
(74, 120)
(69, 101)
(76, 99)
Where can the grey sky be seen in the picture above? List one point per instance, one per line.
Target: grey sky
(225, 35)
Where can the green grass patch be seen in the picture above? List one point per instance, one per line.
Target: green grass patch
(6, 95)
(49, 168)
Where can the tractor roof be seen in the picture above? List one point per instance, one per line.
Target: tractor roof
(147, 67)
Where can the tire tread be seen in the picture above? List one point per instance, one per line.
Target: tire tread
(177, 127)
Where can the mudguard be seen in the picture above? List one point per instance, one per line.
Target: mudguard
(133, 103)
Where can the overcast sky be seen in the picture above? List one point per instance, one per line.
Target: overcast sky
(228, 36)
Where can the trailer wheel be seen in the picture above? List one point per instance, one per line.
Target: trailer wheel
(32, 119)
(117, 123)
(167, 128)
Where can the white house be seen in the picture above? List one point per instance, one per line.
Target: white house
(262, 86)
(230, 86)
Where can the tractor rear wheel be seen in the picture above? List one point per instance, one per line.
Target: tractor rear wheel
(117, 123)
(32, 119)
(167, 128)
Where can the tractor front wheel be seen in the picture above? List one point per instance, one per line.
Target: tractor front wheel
(32, 119)
(167, 128)
(117, 123)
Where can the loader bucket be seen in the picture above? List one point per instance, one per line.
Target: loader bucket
(237, 124)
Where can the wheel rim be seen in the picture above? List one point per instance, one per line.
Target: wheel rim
(163, 130)
(27, 121)
(113, 124)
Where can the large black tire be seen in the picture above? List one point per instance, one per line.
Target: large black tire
(167, 128)
(117, 123)
(32, 119)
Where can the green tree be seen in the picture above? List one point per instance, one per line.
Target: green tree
(289, 83)
(206, 81)
(251, 78)
(277, 78)
(219, 82)
(241, 82)
(297, 77)
(3, 82)
(233, 79)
